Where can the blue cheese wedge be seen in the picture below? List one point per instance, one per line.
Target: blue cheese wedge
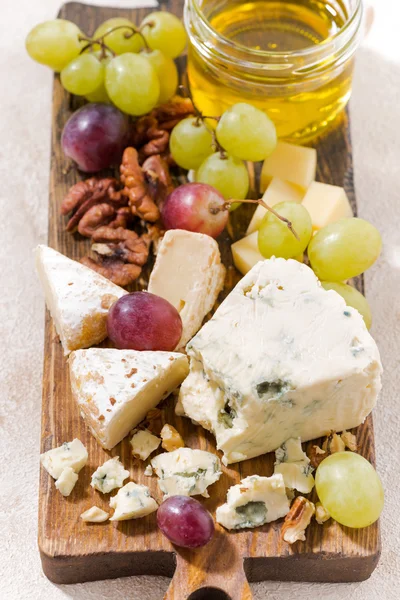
(189, 274)
(253, 502)
(143, 443)
(115, 389)
(94, 515)
(294, 465)
(186, 472)
(281, 358)
(69, 454)
(66, 482)
(132, 502)
(109, 476)
(77, 298)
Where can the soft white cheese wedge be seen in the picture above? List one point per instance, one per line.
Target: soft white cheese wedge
(109, 475)
(294, 466)
(281, 358)
(132, 502)
(66, 482)
(78, 298)
(69, 454)
(94, 515)
(253, 502)
(115, 389)
(186, 472)
(189, 274)
(143, 443)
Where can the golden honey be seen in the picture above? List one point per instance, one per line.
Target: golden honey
(293, 59)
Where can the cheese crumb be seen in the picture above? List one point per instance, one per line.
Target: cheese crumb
(143, 443)
(94, 515)
(66, 482)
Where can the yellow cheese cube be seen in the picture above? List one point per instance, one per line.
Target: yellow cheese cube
(246, 254)
(326, 204)
(295, 164)
(277, 191)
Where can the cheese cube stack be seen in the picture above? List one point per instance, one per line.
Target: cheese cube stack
(245, 253)
(189, 274)
(77, 298)
(115, 389)
(326, 204)
(295, 164)
(277, 191)
(281, 358)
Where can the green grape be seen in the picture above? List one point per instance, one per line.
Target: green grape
(344, 249)
(166, 71)
(349, 488)
(228, 175)
(54, 43)
(132, 84)
(246, 132)
(164, 31)
(190, 143)
(100, 93)
(117, 40)
(274, 236)
(352, 298)
(83, 75)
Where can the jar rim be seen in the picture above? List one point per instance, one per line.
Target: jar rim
(304, 52)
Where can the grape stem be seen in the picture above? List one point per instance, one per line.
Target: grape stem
(103, 46)
(265, 205)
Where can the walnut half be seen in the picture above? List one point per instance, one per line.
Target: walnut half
(171, 438)
(297, 520)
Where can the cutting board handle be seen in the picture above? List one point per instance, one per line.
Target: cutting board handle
(214, 572)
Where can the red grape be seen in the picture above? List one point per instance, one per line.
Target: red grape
(95, 136)
(143, 321)
(185, 522)
(195, 207)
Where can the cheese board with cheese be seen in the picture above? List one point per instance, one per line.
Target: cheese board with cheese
(192, 352)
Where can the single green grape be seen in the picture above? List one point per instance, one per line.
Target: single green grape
(344, 249)
(54, 43)
(274, 236)
(190, 143)
(117, 40)
(164, 31)
(246, 132)
(83, 75)
(132, 84)
(228, 175)
(100, 93)
(349, 488)
(352, 298)
(166, 71)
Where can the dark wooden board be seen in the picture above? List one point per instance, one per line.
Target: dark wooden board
(72, 551)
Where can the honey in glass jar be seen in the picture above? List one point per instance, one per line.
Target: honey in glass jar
(291, 58)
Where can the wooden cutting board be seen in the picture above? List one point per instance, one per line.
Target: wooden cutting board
(72, 551)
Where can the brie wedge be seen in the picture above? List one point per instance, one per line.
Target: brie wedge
(132, 502)
(280, 358)
(189, 274)
(115, 389)
(253, 502)
(78, 298)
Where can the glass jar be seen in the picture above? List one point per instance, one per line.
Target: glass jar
(291, 58)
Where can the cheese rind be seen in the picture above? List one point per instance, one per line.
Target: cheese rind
(77, 298)
(280, 358)
(143, 443)
(69, 454)
(253, 502)
(186, 472)
(115, 389)
(276, 192)
(94, 515)
(189, 274)
(132, 502)
(326, 204)
(66, 482)
(295, 164)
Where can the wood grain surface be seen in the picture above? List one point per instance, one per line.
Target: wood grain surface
(73, 551)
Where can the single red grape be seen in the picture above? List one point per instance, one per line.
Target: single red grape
(185, 522)
(95, 136)
(195, 207)
(143, 321)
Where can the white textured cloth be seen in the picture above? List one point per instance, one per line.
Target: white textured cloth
(24, 164)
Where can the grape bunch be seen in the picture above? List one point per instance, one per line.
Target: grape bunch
(131, 67)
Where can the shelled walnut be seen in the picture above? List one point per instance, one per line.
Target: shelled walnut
(297, 520)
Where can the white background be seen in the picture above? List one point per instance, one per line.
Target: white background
(24, 166)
